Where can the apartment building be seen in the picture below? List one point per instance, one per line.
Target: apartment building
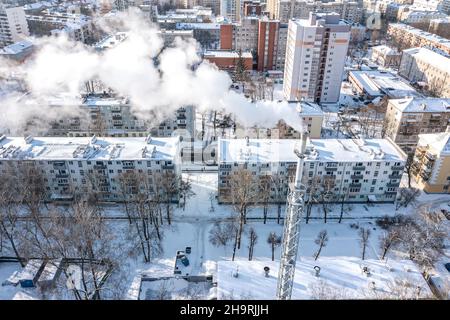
(407, 118)
(207, 34)
(265, 38)
(425, 65)
(106, 115)
(440, 27)
(267, 44)
(430, 5)
(18, 51)
(375, 83)
(252, 8)
(231, 9)
(386, 56)
(280, 56)
(349, 170)
(315, 56)
(431, 166)
(13, 25)
(284, 10)
(75, 26)
(311, 117)
(227, 60)
(81, 165)
(410, 37)
(245, 34)
(413, 16)
(169, 36)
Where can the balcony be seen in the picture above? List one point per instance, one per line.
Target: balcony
(397, 168)
(395, 176)
(355, 185)
(393, 184)
(168, 166)
(356, 176)
(359, 168)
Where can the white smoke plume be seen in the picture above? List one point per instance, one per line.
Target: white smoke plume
(61, 67)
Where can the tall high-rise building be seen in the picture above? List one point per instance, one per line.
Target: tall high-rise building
(13, 25)
(315, 55)
(231, 9)
(267, 44)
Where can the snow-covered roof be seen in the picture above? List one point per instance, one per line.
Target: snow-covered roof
(326, 150)
(17, 47)
(111, 41)
(423, 34)
(385, 50)
(226, 54)
(77, 148)
(342, 275)
(421, 104)
(377, 83)
(203, 26)
(440, 142)
(431, 57)
(306, 108)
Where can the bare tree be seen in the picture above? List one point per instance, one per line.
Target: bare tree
(387, 240)
(168, 188)
(407, 196)
(313, 194)
(185, 192)
(222, 233)
(364, 235)
(323, 291)
(264, 193)
(321, 241)
(423, 239)
(81, 237)
(409, 168)
(275, 241)
(253, 238)
(212, 197)
(326, 195)
(9, 212)
(243, 193)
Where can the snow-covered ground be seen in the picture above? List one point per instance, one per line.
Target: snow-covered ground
(191, 227)
(339, 278)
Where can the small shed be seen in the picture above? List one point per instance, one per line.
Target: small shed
(50, 274)
(30, 274)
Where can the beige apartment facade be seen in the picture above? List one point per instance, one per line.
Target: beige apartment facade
(407, 118)
(431, 167)
(425, 65)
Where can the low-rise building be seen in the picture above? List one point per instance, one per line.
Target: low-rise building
(386, 56)
(408, 117)
(226, 60)
(311, 117)
(440, 27)
(431, 166)
(409, 37)
(73, 166)
(429, 67)
(350, 170)
(18, 51)
(207, 34)
(77, 27)
(375, 83)
(169, 36)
